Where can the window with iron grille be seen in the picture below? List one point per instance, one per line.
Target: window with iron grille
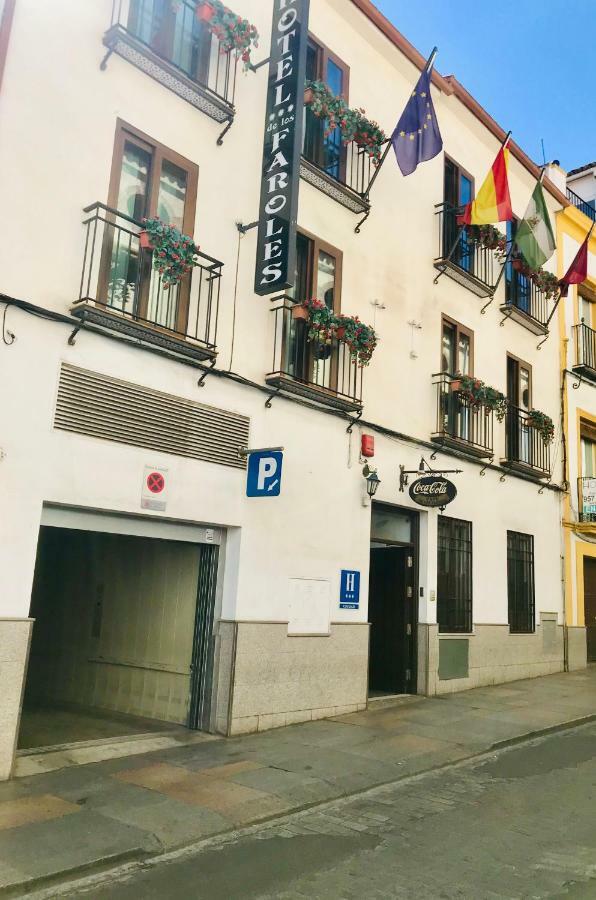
(454, 575)
(520, 582)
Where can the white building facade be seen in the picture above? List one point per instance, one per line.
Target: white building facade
(195, 603)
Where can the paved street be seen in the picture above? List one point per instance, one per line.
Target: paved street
(517, 824)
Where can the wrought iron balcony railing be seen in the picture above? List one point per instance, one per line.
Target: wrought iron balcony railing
(586, 496)
(585, 349)
(342, 172)
(321, 371)
(464, 260)
(588, 209)
(525, 302)
(167, 41)
(121, 290)
(525, 447)
(460, 423)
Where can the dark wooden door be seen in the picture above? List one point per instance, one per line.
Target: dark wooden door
(590, 606)
(390, 613)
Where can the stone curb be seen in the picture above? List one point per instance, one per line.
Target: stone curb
(139, 857)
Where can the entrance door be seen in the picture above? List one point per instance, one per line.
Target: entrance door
(391, 617)
(590, 606)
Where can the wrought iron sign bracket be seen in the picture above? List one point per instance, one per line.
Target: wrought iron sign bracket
(8, 337)
(72, 339)
(225, 131)
(104, 63)
(243, 229)
(201, 381)
(270, 397)
(423, 469)
(485, 467)
(353, 422)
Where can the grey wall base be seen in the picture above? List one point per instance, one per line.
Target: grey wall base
(494, 656)
(15, 639)
(577, 651)
(267, 678)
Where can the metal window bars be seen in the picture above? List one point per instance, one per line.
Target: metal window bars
(520, 582)
(119, 281)
(322, 370)
(173, 32)
(525, 447)
(461, 423)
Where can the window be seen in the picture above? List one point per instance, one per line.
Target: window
(326, 151)
(147, 180)
(520, 438)
(318, 274)
(173, 32)
(458, 189)
(457, 348)
(520, 582)
(518, 287)
(587, 311)
(588, 448)
(454, 575)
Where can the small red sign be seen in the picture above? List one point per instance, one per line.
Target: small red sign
(156, 482)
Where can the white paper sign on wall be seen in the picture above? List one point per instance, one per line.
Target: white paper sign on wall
(154, 492)
(309, 606)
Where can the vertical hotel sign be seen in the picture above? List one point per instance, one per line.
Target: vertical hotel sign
(276, 243)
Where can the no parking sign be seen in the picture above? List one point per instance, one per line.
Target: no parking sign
(155, 488)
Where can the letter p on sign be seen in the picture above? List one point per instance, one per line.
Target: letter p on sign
(263, 478)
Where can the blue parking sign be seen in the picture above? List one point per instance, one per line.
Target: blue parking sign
(349, 589)
(263, 478)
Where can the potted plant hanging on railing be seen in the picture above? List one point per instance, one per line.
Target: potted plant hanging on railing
(354, 124)
(479, 394)
(232, 31)
(324, 326)
(174, 253)
(544, 281)
(543, 424)
(489, 237)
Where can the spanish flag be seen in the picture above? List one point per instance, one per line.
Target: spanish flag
(492, 203)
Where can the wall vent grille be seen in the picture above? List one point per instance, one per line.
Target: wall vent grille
(104, 407)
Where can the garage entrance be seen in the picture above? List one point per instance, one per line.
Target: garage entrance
(122, 641)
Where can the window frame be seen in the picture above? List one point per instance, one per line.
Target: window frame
(460, 171)
(324, 55)
(525, 365)
(159, 153)
(316, 245)
(459, 329)
(168, 37)
(467, 554)
(530, 612)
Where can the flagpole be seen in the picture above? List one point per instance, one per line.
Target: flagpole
(388, 146)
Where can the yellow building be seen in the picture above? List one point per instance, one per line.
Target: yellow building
(577, 320)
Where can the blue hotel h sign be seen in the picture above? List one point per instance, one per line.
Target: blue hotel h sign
(349, 589)
(280, 177)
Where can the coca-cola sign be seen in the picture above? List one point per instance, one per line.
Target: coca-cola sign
(433, 490)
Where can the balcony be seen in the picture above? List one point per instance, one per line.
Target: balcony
(461, 424)
(586, 495)
(525, 448)
(342, 172)
(588, 209)
(525, 303)
(585, 351)
(171, 45)
(461, 258)
(121, 291)
(325, 373)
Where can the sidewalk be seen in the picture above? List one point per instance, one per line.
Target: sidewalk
(98, 815)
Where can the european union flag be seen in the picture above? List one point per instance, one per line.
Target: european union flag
(417, 137)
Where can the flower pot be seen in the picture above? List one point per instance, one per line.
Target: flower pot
(455, 385)
(145, 241)
(517, 265)
(205, 12)
(322, 351)
(309, 96)
(340, 333)
(300, 312)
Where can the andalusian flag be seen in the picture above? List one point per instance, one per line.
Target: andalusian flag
(492, 203)
(534, 237)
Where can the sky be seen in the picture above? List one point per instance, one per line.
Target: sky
(529, 63)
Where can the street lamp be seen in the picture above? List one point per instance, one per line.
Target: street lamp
(372, 480)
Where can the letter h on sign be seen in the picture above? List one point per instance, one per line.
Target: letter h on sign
(280, 176)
